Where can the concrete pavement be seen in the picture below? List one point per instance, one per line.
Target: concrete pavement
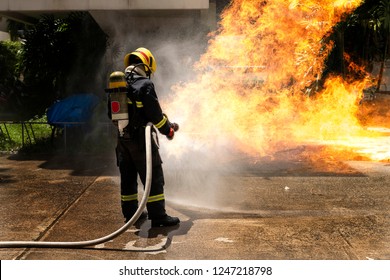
(274, 209)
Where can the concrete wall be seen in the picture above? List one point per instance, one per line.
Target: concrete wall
(28, 11)
(4, 35)
(89, 5)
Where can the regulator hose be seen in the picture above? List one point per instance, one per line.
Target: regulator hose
(79, 244)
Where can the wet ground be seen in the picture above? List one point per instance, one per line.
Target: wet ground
(283, 207)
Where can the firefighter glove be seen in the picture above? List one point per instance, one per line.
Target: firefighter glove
(175, 126)
(170, 134)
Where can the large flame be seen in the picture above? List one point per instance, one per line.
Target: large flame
(254, 86)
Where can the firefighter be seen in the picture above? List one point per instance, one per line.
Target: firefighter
(143, 107)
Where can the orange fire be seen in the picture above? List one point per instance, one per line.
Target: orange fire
(255, 86)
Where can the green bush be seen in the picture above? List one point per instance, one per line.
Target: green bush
(10, 72)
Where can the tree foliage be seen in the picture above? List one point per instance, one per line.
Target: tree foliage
(368, 30)
(363, 36)
(10, 71)
(46, 53)
(10, 54)
(60, 57)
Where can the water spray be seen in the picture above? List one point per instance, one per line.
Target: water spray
(81, 244)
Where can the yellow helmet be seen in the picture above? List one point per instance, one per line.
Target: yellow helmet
(117, 80)
(145, 56)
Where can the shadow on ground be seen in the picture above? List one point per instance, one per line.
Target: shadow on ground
(78, 164)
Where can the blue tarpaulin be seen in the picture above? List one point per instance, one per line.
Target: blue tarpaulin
(72, 111)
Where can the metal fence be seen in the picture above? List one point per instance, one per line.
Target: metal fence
(62, 130)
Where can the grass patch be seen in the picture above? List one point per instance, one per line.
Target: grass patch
(35, 137)
(15, 136)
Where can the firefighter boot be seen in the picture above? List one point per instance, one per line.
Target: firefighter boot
(166, 221)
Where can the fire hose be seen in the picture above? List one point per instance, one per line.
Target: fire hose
(80, 244)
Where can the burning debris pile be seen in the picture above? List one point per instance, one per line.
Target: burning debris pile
(258, 89)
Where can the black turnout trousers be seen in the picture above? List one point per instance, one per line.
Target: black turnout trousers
(131, 159)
